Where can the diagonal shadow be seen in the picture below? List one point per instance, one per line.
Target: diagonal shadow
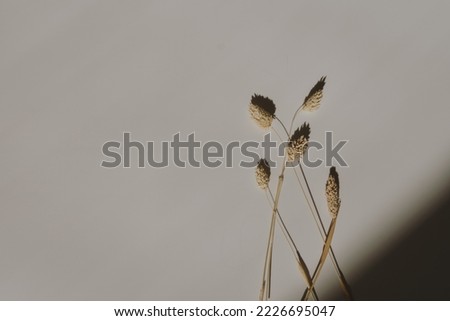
(417, 267)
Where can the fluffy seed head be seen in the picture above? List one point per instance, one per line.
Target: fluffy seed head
(298, 143)
(332, 192)
(262, 110)
(312, 101)
(263, 174)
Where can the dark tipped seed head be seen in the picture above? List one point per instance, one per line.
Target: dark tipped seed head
(312, 101)
(332, 192)
(298, 143)
(263, 174)
(262, 110)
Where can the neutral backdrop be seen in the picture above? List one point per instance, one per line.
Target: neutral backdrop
(76, 74)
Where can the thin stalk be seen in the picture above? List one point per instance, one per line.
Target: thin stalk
(281, 179)
(293, 119)
(267, 271)
(301, 263)
(264, 293)
(316, 214)
(284, 127)
(323, 257)
(268, 261)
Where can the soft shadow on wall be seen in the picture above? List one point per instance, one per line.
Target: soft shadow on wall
(417, 266)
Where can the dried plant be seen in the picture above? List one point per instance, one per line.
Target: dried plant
(324, 234)
(334, 203)
(298, 143)
(262, 110)
(263, 173)
(332, 193)
(312, 101)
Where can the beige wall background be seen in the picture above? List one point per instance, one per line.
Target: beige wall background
(75, 74)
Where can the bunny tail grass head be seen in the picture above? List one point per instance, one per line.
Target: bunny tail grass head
(298, 143)
(263, 174)
(262, 110)
(312, 101)
(332, 192)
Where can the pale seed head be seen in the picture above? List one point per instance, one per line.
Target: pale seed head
(312, 101)
(298, 143)
(263, 174)
(262, 110)
(332, 192)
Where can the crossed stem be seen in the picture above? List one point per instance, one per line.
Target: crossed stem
(327, 238)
